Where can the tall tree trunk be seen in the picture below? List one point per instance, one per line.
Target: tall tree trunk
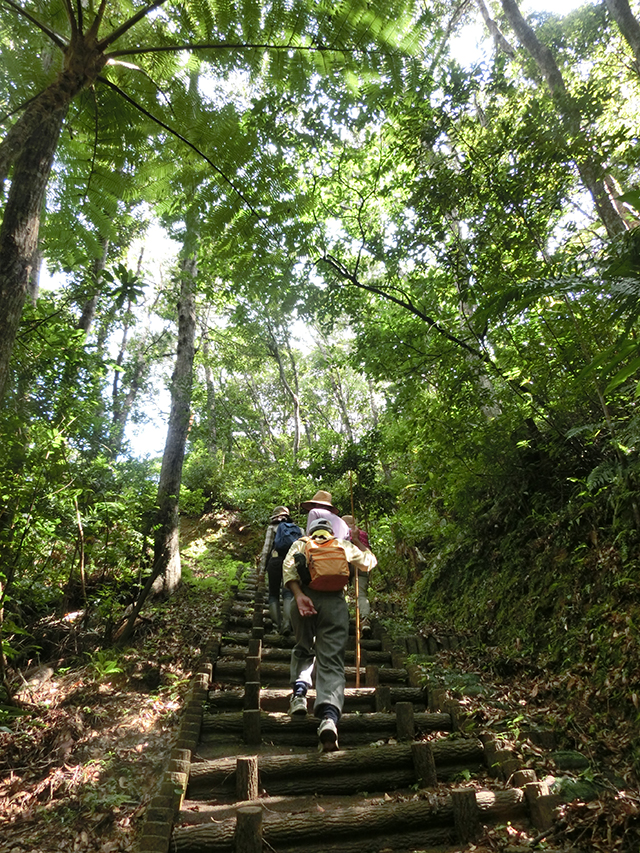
(166, 553)
(499, 40)
(336, 386)
(20, 226)
(590, 170)
(89, 310)
(274, 350)
(212, 428)
(126, 401)
(30, 146)
(621, 12)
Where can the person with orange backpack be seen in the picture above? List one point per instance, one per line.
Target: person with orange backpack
(317, 569)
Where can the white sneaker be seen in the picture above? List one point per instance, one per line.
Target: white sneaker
(328, 734)
(297, 706)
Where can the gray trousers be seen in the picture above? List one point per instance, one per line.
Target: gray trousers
(321, 642)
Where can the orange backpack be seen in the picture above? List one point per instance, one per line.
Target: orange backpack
(327, 564)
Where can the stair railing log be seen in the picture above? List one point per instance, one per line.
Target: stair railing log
(244, 777)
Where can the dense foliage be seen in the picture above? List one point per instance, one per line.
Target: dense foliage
(416, 287)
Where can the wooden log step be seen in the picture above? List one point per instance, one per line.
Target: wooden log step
(355, 699)
(381, 781)
(233, 670)
(358, 824)
(241, 638)
(236, 621)
(271, 655)
(372, 726)
(280, 774)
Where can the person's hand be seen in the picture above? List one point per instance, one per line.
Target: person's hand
(305, 605)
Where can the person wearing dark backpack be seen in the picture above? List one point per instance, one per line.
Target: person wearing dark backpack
(316, 570)
(281, 533)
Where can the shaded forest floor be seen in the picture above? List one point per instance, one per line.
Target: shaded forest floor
(79, 765)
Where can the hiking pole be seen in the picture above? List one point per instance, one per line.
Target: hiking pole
(357, 590)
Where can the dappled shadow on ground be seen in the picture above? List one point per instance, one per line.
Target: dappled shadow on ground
(80, 760)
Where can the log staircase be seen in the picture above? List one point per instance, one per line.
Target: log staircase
(246, 777)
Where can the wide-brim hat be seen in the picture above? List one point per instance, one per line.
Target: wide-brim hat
(321, 499)
(279, 513)
(349, 520)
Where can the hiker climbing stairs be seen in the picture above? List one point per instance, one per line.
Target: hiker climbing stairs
(245, 776)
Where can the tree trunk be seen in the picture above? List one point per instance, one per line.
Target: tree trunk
(30, 146)
(629, 26)
(590, 170)
(499, 40)
(125, 401)
(334, 381)
(20, 226)
(166, 554)
(212, 428)
(274, 350)
(89, 311)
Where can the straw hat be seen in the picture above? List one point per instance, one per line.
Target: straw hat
(349, 520)
(320, 499)
(279, 513)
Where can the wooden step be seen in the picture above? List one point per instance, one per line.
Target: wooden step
(354, 729)
(241, 638)
(271, 654)
(322, 825)
(360, 699)
(381, 768)
(233, 671)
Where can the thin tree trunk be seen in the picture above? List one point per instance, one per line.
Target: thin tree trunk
(89, 311)
(269, 442)
(125, 403)
(590, 170)
(621, 12)
(499, 40)
(274, 350)
(334, 380)
(212, 430)
(166, 554)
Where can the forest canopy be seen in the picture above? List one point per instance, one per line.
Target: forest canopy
(402, 275)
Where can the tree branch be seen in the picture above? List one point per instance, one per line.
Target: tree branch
(92, 32)
(55, 38)
(123, 28)
(182, 139)
(343, 272)
(228, 46)
(71, 18)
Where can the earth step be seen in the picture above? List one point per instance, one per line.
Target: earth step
(356, 699)
(323, 826)
(354, 729)
(234, 671)
(380, 768)
(271, 655)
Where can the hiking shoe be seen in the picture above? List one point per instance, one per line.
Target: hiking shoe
(297, 706)
(328, 734)
(365, 629)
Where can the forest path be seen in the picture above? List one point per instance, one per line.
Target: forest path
(410, 774)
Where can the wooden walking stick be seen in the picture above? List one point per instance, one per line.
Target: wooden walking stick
(357, 590)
